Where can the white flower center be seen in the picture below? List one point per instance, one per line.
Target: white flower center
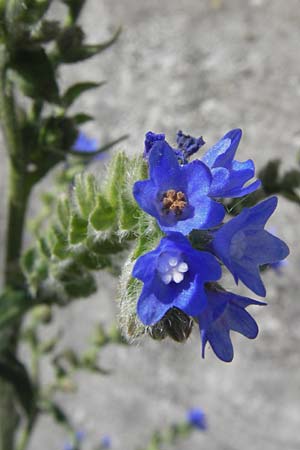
(238, 245)
(171, 267)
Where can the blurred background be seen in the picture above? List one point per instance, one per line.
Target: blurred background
(205, 67)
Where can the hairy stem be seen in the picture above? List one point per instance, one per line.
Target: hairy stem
(19, 190)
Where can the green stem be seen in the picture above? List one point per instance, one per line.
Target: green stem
(19, 190)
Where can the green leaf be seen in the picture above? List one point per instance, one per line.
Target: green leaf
(72, 49)
(81, 118)
(75, 7)
(76, 90)
(36, 73)
(15, 373)
(60, 245)
(28, 260)
(78, 229)
(103, 216)
(13, 304)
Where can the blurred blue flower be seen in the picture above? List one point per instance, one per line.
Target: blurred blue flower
(197, 418)
(177, 195)
(174, 275)
(224, 312)
(229, 176)
(68, 446)
(80, 435)
(87, 145)
(243, 245)
(105, 442)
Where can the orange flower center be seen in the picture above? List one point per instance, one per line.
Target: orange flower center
(174, 201)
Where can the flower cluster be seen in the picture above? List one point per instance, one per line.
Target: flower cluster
(180, 278)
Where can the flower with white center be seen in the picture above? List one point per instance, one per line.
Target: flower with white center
(173, 275)
(171, 267)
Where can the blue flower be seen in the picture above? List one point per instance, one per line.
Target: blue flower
(177, 195)
(243, 245)
(197, 418)
(225, 311)
(174, 275)
(87, 145)
(229, 176)
(188, 145)
(105, 442)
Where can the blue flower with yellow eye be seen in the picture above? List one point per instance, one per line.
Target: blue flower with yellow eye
(243, 245)
(177, 195)
(173, 275)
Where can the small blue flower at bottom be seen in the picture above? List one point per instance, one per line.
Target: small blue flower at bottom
(243, 245)
(174, 275)
(197, 418)
(225, 311)
(68, 446)
(177, 195)
(105, 442)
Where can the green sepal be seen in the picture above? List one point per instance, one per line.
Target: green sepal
(85, 193)
(91, 260)
(103, 216)
(73, 92)
(78, 229)
(36, 73)
(77, 281)
(60, 245)
(44, 247)
(108, 246)
(115, 178)
(63, 212)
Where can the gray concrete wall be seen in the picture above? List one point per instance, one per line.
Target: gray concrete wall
(204, 69)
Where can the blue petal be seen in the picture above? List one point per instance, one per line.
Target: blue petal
(164, 168)
(265, 248)
(248, 272)
(240, 321)
(220, 341)
(198, 178)
(145, 193)
(222, 153)
(150, 309)
(260, 213)
(143, 268)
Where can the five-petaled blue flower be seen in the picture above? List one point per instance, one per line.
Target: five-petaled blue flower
(177, 195)
(174, 275)
(243, 245)
(225, 311)
(229, 176)
(197, 418)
